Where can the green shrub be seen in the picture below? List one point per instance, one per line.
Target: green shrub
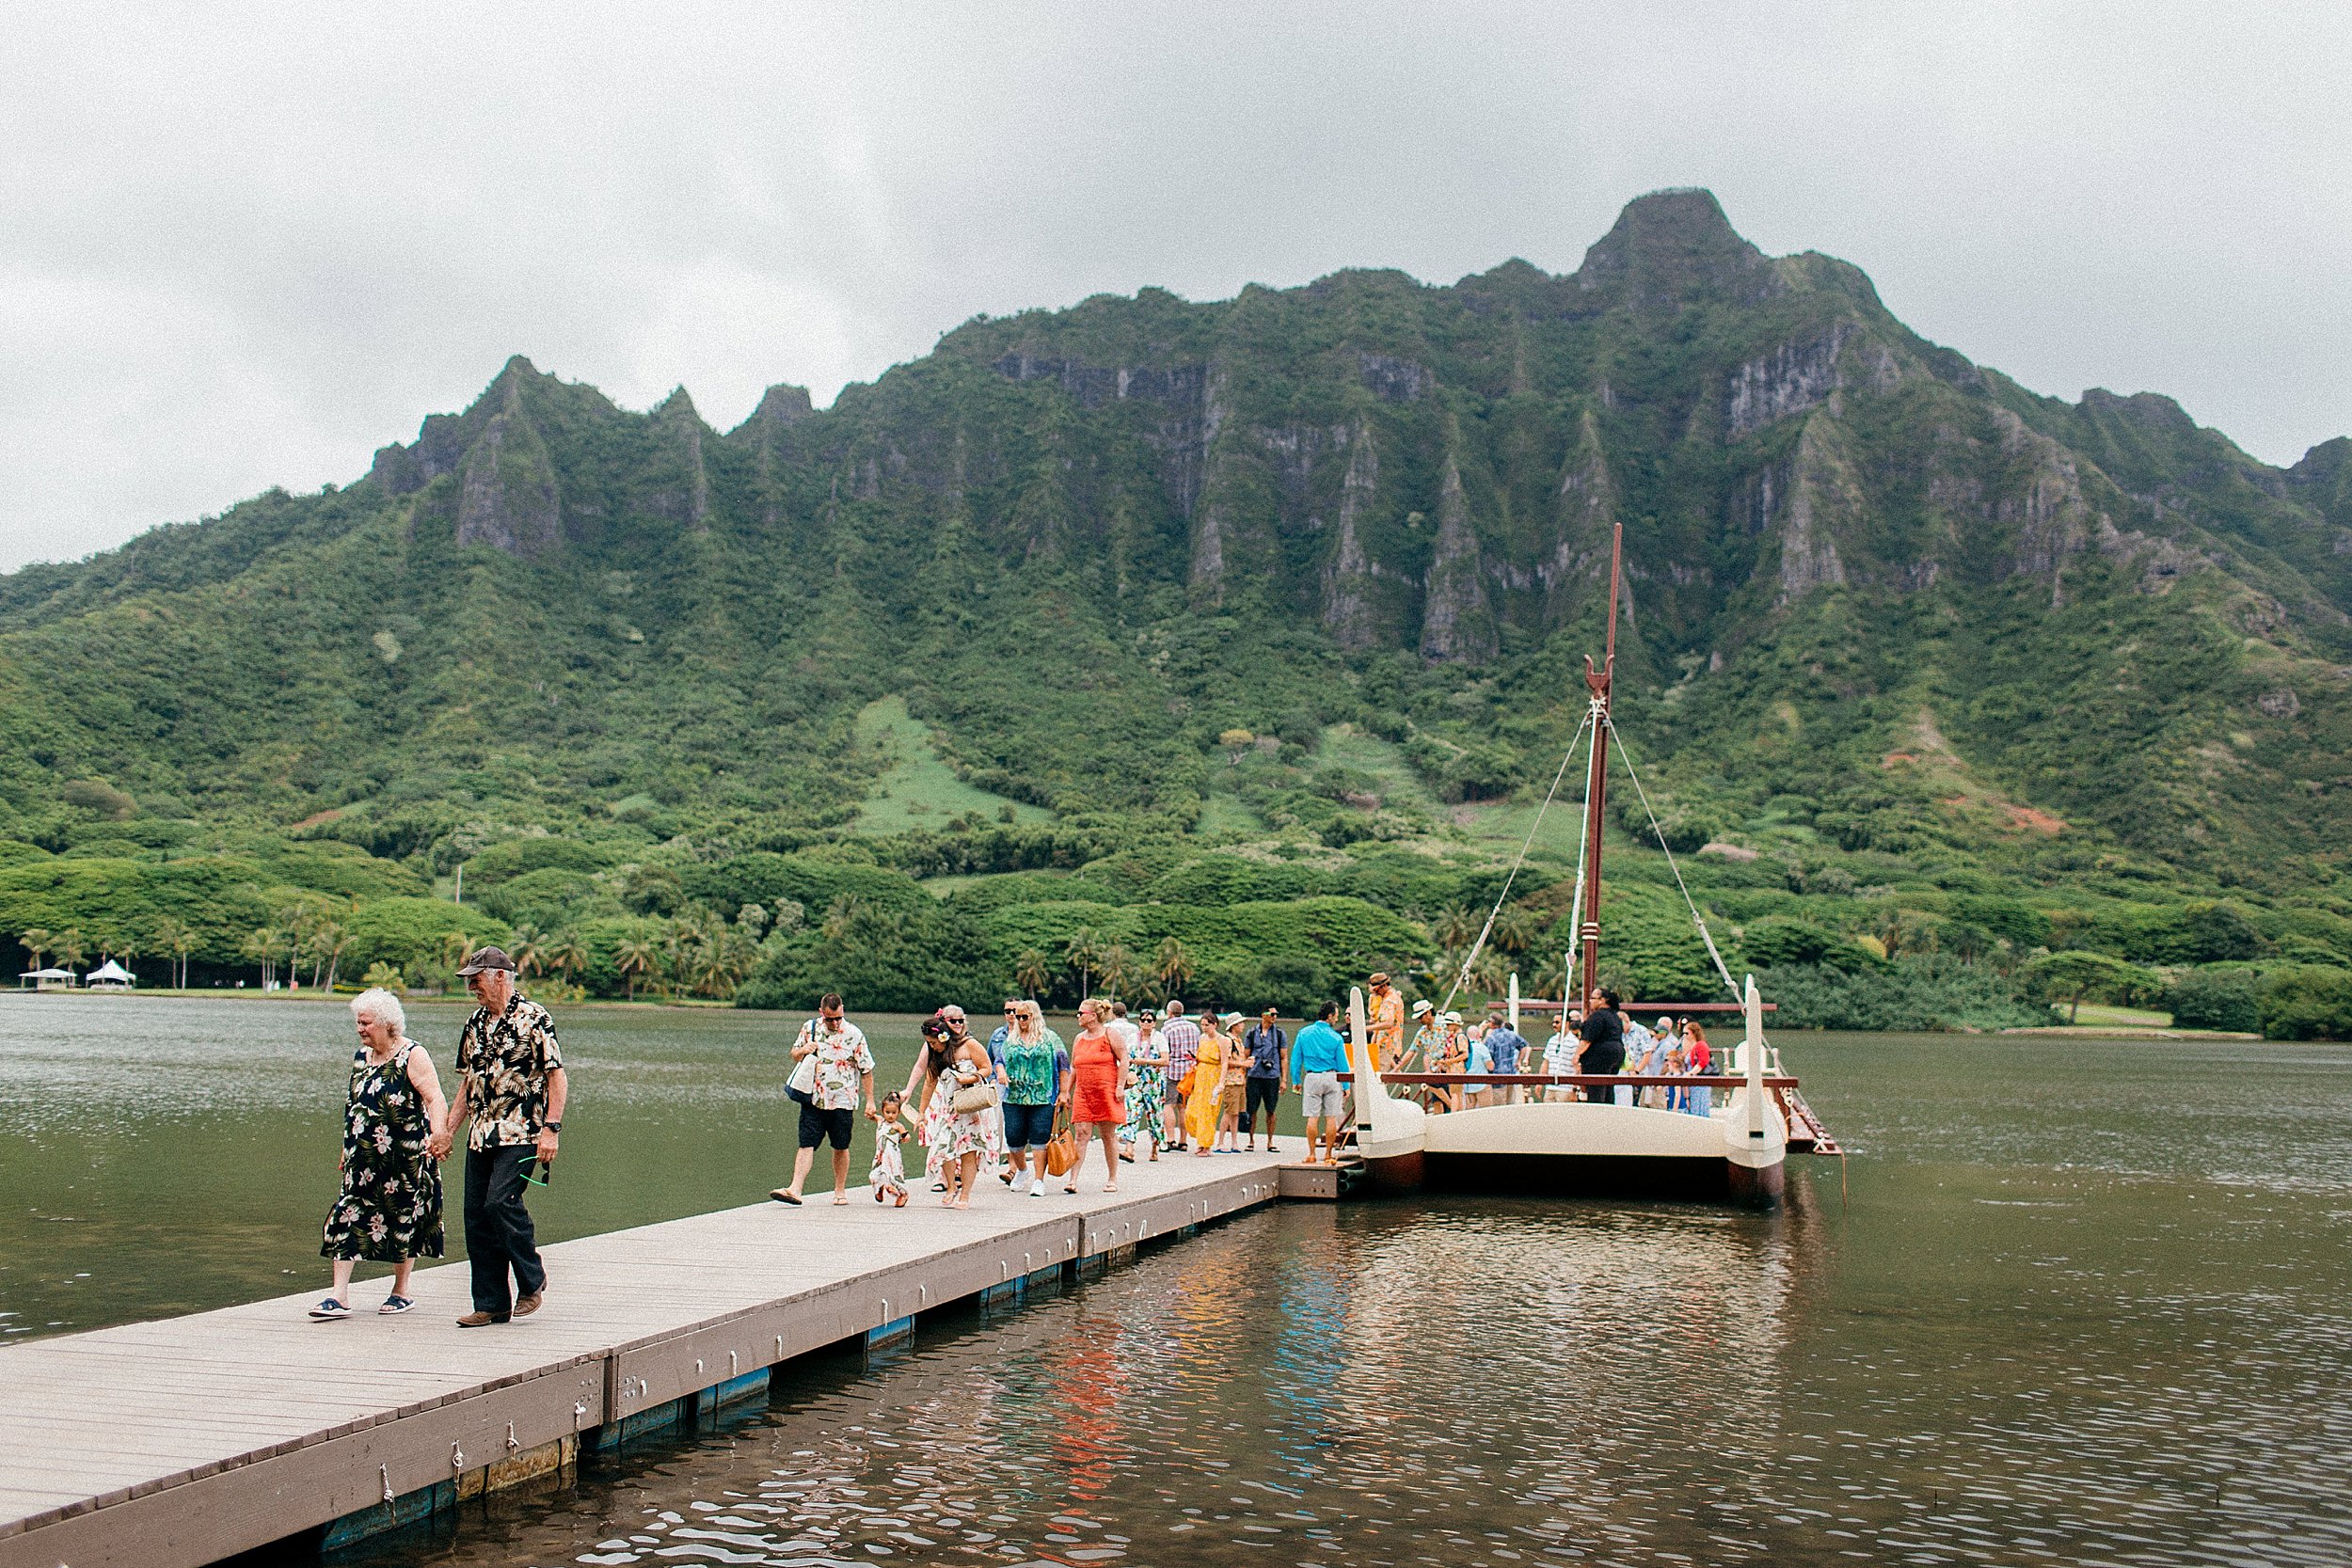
(519, 856)
(2195, 933)
(547, 898)
(1779, 942)
(763, 877)
(2216, 999)
(2076, 976)
(2306, 1002)
(1923, 992)
(409, 933)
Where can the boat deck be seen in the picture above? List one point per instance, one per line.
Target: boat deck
(176, 1443)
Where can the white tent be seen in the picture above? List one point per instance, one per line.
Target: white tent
(45, 980)
(110, 975)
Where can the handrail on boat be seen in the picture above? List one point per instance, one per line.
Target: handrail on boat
(1578, 1080)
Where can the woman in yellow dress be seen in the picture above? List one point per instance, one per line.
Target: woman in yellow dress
(1202, 1101)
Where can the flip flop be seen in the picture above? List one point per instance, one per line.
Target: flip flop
(783, 1194)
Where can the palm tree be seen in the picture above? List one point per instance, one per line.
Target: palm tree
(384, 975)
(1514, 931)
(567, 956)
(38, 943)
(1031, 972)
(332, 938)
(1083, 950)
(846, 911)
(70, 949)
(525, 948)
(128, 950)
(173, 937)
(454, 947)
(1457, 927)
(1171, 966)
(260, 946)
(1117, 966)
(635, 959)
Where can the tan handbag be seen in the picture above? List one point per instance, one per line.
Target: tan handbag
(979, 1097)
(1061, 1150)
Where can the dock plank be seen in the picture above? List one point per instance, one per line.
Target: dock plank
(174, 1443)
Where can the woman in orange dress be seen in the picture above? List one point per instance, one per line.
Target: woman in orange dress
(1096, 1065)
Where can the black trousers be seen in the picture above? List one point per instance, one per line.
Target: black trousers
(497, 1228)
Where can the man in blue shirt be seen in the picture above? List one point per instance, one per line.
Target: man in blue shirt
(1318, 1056)
(1505, 1046)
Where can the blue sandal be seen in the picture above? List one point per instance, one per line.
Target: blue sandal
(330, 1307)
(394, 1304)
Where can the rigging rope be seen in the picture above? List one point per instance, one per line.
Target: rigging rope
(1696, 919)
(1576, 908)
(1462, 975)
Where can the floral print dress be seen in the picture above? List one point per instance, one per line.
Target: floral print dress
(1148, 1096)
(391, 1204)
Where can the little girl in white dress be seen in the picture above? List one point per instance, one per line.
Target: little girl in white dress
(889, 1176)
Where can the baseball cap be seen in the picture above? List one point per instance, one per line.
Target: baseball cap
(486, 957)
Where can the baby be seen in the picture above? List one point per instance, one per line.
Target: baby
(889, 1176)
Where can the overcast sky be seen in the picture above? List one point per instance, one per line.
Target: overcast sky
(240, 249)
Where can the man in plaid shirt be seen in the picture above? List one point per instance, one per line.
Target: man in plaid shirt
(1183, 1049)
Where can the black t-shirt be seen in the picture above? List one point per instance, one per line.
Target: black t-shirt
(1604, 1040)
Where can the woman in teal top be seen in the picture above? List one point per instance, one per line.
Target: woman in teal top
(1037, 1078)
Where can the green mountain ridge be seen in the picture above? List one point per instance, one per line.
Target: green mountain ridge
(1882, 602)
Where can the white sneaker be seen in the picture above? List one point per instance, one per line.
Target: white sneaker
(1036, 1188)
(1020, 1183)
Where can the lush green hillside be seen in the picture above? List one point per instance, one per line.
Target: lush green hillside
(1209, 607)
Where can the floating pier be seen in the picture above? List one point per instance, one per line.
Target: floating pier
(177, 1443)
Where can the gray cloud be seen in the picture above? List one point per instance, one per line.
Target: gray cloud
(244, 249)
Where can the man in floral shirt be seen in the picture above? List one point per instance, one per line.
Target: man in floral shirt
(510, 1078)
(831, 1064)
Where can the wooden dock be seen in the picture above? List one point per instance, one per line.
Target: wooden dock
(177, 1443)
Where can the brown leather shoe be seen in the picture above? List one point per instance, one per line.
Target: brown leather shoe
(482, 1319)
(526, 1306)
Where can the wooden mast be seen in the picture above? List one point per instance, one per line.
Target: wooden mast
(1597, 779)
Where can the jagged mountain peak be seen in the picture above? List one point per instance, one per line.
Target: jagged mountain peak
(780, 406)
(1674, 248)
(2148, 410)
(678, 407)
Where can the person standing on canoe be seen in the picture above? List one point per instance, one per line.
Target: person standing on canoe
(511, 1080)
(1505, 1048)
(1384, 1030)
(1604, 1046)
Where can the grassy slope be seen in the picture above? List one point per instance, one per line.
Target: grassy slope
(916, 789)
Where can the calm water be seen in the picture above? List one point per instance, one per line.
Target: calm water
(2084, 1302)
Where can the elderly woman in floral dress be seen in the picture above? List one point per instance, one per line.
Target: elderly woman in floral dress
(390, 1208)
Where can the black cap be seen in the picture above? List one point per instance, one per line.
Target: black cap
(486, 957)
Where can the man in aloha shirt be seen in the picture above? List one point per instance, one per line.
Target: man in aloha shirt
(843, 1067)
(511, 1080)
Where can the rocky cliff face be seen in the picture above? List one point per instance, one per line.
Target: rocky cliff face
(1820, 507)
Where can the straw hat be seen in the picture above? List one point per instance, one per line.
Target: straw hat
(1423, 1006)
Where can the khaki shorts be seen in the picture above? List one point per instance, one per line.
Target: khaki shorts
(1324, 1099)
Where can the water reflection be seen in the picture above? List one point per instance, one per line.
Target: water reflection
(1495, 1381)
(2079, 1307)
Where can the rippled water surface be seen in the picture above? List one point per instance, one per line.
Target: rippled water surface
(2082, 1301)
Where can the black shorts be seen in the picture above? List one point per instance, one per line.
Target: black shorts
(1263, 1092)
(816, 1126)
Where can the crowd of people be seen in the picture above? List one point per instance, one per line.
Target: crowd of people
(1021, 1105)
